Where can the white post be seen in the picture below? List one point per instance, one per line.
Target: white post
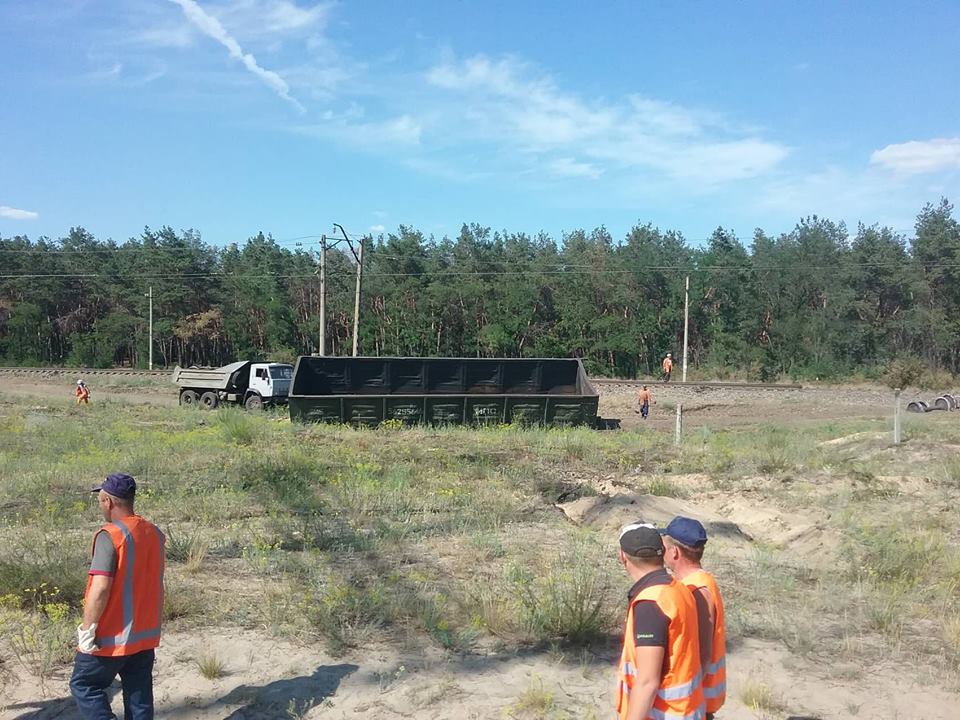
(356, 300)
(686, 323)
(896, 416)
(679, 423)
(151, 329)
(323, 295)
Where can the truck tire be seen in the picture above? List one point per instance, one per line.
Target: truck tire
(189, 398)
(254, 403)
(209, 400)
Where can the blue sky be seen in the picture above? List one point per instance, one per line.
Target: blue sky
(234, 116)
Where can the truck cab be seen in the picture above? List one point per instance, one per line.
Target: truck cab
(269, 383)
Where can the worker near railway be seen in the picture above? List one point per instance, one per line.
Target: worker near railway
(82, 393)
(659, 674)
(684, 540)
(122, 608)
(667, 366)
(644, 399)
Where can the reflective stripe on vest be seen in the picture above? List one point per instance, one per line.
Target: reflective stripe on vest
(133, 613)
(699, 714)
(680, 696)
(714, 674)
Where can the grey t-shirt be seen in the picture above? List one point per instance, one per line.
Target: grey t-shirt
(104, 560)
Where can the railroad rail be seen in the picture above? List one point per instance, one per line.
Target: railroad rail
(133, 372)
(81, 372)
(697, 384)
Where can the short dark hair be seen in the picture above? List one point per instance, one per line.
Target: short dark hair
(694, 554)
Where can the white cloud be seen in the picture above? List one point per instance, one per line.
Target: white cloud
(505, 101)
(211, 26)
(919, 156)
(12, 213)
(270, 16)
(377, 228)
(401, 130)
(570, 168)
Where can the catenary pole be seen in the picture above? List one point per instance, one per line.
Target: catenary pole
(686, 325)
(356, 299)
(150, 354)
(323, 295)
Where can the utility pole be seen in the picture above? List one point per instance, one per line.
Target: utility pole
(356, 299)
(323, 295)
(150, 295)
(686, 324)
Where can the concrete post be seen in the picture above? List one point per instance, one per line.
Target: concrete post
(679, 431)
(896, 416)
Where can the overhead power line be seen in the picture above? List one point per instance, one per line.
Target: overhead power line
(565, 270)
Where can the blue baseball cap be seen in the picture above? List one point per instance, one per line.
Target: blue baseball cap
(686, 531)
(119, 485)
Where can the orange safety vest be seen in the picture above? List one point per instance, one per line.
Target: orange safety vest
(131, 620)
(82, 392)
(715, 673)
(680, 696)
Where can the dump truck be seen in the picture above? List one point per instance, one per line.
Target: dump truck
(251, 384)
(440, 391)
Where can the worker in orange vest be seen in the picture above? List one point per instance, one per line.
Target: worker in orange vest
(82, 393)
(667, 367)
(659, 674)
(122, 608)
(685, 539)
(644, 398)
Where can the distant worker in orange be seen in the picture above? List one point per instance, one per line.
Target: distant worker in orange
(667, 367)
(659, 673)
(82, 393)
(644, 398)
(684, 539)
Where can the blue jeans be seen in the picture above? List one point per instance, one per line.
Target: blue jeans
(92, 675)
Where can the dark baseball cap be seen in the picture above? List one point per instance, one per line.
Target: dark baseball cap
(686, 531)
(119, 485)
(641, 540)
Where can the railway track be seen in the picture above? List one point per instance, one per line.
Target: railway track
(81, 372)
(57, 371)
(695, 384)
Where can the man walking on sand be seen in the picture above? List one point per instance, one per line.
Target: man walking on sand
(644, 399)
(667, 367)
(685, 539)
(659, 673)
(122, 608)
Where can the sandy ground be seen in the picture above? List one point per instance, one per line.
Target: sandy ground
(267, 678)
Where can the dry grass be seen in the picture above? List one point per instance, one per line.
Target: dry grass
(211, 666)
(450, 538)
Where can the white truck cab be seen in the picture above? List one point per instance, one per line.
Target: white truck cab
(268, 381)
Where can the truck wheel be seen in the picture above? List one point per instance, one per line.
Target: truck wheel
(189, 398)
(209, 400)
(254, 403)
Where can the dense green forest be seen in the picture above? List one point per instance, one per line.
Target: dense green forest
(814, 302)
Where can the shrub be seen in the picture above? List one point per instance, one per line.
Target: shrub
(566, 600)
(238, 426)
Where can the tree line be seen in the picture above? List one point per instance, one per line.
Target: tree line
(814, 302)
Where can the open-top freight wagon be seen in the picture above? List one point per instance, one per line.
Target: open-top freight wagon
(370, 390)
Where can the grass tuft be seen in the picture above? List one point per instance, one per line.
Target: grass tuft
(211, 666)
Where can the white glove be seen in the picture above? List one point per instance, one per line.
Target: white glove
(87, 639)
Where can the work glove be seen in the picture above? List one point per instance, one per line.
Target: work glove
(87, 639)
